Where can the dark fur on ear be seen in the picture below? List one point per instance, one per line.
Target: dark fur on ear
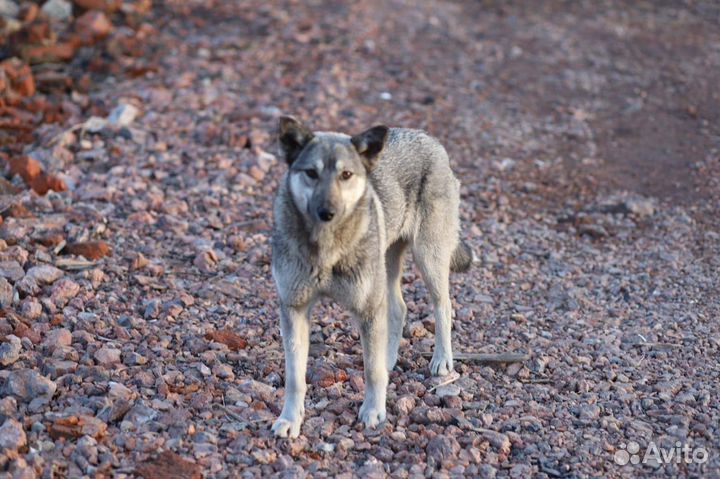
(293, 136)
(369, 144)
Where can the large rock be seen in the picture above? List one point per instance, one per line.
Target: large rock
(26, 384)
(58, 9)
(44, 274)
(9, 9)
(11, 270)
(6, 293)
(12, 435)
(10, 350)
(63, 291)
(442, 449)
(57, 338)
(107, 356)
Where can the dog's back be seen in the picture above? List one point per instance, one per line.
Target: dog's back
(413, 179)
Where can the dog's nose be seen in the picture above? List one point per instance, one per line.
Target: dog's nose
(325, 214)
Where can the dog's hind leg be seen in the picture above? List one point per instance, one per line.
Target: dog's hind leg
(397, 309)
(432, 249)
(295, 328)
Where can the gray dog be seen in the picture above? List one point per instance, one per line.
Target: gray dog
(345, 212)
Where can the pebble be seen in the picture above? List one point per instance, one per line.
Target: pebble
(57, 338)
(107, 356)
(11, 270)
(44, 274)
(123, 115)
(63, 291)
(442, 449)
(405, 404)
(27, 384)
(6, 293)
(12, 435)
(10, 350)
(57, 9)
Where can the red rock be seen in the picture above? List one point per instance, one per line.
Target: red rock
(92, 25)
(77, 426)
(92, 250)
(44, 183)
(57, 52)
(20, 76)
(107, 6)
(26, 167)
(169, 465)
(229, 338)
(23, 331)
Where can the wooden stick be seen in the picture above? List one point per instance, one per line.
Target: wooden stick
(487, 358)
(450, 380)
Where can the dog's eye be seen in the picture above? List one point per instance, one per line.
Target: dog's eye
(312, 174)
(345, 175)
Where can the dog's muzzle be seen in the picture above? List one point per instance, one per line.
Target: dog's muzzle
(325, 214)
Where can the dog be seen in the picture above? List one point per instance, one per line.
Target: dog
(346, 210)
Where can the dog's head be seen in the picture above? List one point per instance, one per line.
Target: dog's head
(328, 171)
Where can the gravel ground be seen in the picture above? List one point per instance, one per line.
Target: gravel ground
(586, 137)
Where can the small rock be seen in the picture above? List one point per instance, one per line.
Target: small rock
(8, 407)
(27, 384)
(9, 9)
(223, 371)
(57, 338)
(59, 367)
(44, 274)
(257, 389)
(11, 270)
(57, 9)
(134, 359)
(107, 355)
(404, 405)
(589, 412)
(141, 414)
(487, 471)
(6, 293)
(498, 441)
(442, 449)
(12, 435)
(123, 115)
(31, 308)
(592, 230)
(447, 390)
(120, 391)
(10, 350)
(416, 329)
(27, 286)
(206, 261)
(640, 207)
(63, 291)
(153, 308)
(93, 25)
(519, 471)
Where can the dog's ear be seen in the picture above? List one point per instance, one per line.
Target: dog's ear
(369, 144)
(293, 136)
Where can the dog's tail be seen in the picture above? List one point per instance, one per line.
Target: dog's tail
(462, 258)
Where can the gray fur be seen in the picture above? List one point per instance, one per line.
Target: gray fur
(388, 190)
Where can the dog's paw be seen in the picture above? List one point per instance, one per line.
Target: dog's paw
(285, 427)
(441, 364)
(371, 416)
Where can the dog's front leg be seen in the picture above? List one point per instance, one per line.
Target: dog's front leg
(295, 329)
(374, 337)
